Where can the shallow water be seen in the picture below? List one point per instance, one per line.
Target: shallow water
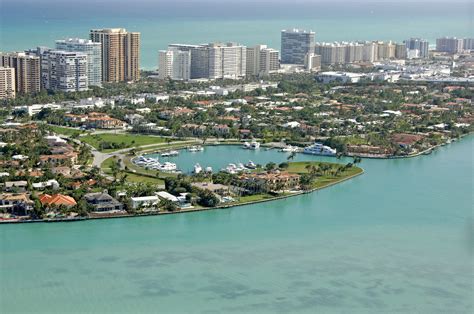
(396, 239)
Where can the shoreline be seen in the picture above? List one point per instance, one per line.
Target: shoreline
(184, 211)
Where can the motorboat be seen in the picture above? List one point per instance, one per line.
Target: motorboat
(254, 145)
(289, 149)
(233, 168)
(250, 165)
(168, 167)
(320, 149)
(194, 149)
(170, 153)
(246, 145)
(209, 169)
(197, 169)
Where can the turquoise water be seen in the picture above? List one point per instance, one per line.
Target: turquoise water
(39, 24)
(397, 239)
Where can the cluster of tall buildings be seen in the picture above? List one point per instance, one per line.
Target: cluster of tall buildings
(454, 45)
(352, 52)
(109, 55)
(216, 61)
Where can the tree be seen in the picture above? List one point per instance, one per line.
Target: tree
(270, 166)
(291, 156)
(168, 205)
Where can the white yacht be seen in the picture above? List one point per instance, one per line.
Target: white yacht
(209, 169)
(194, 149)
(250, 165)
(246, 145)
(168, 167)
(197, 169)
(289, 149)
(319, 149)
(171, 153)
(254, 145)
(233, 168)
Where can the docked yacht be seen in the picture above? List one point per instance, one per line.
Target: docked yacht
(197, 169)
(289, 149)
(250, 165)
(209, 169)
(171, 153)
(246, 145)
(194, 149)
(254, 145)
(168, 167)
(233, 168)
(319, 149)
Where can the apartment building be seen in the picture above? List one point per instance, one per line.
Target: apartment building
(93, 50)
(7, 83)
(27, 71)
(120, 54)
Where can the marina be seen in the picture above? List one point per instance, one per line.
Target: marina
(355, 234)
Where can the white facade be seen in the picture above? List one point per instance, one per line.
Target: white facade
(312, 62)
(64, 71)
(262, 61)
(7, 82)
(174, 64)
(93, 51)
(227, 61)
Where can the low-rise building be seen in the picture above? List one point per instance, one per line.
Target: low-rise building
(16, 204)
(56, 200)
(103, 202)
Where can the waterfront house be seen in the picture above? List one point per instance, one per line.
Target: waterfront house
(265, 182)
(145, 201)
(16, 204)
(103, 202)
(406, 140)
(168, 196)
(215, 188)
(56, 200)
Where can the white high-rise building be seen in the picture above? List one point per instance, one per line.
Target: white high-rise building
(262, 61)
(93, 50)
(64, 71)
(312, 62)
(227, 61)
(295, 44)
(7, 82)
(174, 64)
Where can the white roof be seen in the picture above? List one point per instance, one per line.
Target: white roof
(167, 196)
(145, 198)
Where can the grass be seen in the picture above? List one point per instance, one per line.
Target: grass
(65, 131)
(120, 141)
(325, 179)
(132, 177)
(254, 198)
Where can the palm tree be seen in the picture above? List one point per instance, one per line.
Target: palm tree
(291, 156)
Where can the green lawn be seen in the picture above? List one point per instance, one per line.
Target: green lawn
(254, 198)
(120, 141)
(65, 131)
(326, 178)
(131, 176)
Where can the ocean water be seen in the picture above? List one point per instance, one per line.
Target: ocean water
(397, 239)
(40, 23)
